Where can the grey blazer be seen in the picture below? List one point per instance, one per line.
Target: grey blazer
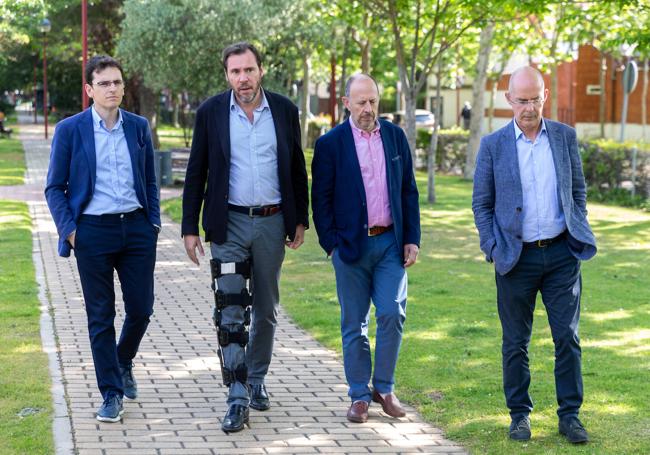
(497, 198)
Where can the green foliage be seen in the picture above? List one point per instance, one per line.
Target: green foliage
(451, 148)
(24, 376)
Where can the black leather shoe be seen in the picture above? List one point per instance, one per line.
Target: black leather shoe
(259, 398)
(572, 428)
(520, 429)
(235, 418)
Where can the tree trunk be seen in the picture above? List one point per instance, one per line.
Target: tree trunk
(493, 97)
(365, 57)
(603, 100)
(644, 100)
(177, 101)
(304, 100)
(149, 109)
(554, 110)
(344, 75)
(410, 99)
(478, 97)
(433, 146)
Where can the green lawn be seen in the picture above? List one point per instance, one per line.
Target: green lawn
(12, 159)
(450, 364)
(24, 376)
(171, 137)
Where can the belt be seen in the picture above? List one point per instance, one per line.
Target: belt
(264, 210)
(378, 230)
(543, 243)
(108, 217)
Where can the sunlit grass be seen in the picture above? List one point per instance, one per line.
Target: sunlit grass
(12, 160)
(24, 377)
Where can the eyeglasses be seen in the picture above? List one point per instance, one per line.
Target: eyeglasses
(537, 102)
(106, 84)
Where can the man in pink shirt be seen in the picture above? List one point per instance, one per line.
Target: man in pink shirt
(367, 217)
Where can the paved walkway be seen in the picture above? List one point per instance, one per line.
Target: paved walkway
(181, 398)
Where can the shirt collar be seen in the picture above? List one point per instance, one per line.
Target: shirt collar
(263, 105)
(518, 131)
(99, 122)
(358, 131)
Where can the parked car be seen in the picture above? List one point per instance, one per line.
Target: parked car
(423, 119)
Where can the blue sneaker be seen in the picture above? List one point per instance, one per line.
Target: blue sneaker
(128, 381)
(111, 410)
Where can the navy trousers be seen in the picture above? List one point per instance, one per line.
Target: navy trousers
(125, 243)
(555, 273)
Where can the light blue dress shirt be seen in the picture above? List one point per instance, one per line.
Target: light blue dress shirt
(114, 184)
(542, 213)
(254, 177)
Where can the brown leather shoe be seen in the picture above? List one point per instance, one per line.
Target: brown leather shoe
(390, 404)
(358, 412)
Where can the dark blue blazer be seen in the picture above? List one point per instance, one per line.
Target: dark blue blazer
(339, 197)
(72, 171)
(497, 198)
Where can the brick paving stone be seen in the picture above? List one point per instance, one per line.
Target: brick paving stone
(181, 399)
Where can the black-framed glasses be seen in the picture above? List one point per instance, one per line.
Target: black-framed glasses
(106, 84)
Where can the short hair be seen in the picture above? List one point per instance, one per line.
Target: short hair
(356, 76)
(100, 63)
(239, 49)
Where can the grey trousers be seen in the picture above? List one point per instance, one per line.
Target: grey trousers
(261, 239)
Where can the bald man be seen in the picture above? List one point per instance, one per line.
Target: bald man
(530, 209)
(367, 217)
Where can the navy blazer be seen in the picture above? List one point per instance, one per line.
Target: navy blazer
(72, 171)
(339, 197)
(497, 198)
(210, 162)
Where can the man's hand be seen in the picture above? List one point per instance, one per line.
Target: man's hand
(71, 238)
(410, 254)
(298, 239)
(192, 242)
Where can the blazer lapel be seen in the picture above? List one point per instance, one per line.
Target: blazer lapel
(349, 151)
(223, 124)
(279, 123)
(131, 136)
(87, 133)
(509, 145)
(556, 142)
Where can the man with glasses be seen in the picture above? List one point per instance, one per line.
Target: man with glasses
(530, 209)
(101, 190)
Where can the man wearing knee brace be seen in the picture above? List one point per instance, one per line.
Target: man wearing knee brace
(246, 148)
(367, 217)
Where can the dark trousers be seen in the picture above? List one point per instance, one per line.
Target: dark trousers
(555, 273)
(127, 244)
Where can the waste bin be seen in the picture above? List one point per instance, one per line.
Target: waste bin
(163, 168)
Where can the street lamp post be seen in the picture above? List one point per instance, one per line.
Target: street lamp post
(45, 27)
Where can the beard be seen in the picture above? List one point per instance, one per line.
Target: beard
(251, 92)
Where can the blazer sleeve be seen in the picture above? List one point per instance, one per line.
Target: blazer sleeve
(299, 172)
(153, 202)
(410, 196)
(196, 175)
(483, 199)
(56, 188)
(322, 195)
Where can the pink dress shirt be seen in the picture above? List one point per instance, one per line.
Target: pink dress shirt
(370, 152)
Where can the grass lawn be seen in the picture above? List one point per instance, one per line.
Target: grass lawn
(450, 363)
(12, 159)
(171, 137)
(24, 376)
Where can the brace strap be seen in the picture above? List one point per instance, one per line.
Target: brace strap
(243, 299)
(227, 336)
(240, 374)
(219, 268)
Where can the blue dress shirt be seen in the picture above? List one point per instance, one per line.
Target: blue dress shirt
(254, 177)
(542, 213)
(114, 184)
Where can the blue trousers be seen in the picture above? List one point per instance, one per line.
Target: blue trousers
(379, 275)
(126, 244)
(555, 273)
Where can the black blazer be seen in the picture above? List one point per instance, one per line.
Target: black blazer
(210, 160)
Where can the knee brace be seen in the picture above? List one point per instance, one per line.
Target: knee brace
(239, 333)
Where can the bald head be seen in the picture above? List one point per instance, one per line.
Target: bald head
(357, 78)
(525, 75)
